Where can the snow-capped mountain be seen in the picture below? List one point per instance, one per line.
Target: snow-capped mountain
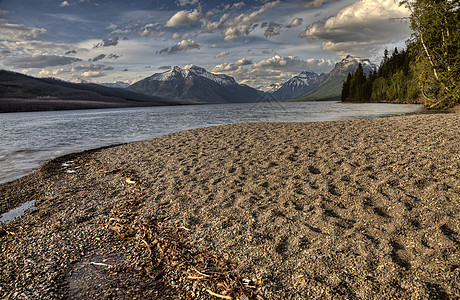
(297, 86)
(194, 84)
(324, 86)
(118, 84)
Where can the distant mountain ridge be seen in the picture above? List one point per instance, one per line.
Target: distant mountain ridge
(194, 84)
(297, 86)
(311, 86)
(19, 92)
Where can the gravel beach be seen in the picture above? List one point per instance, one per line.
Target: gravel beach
(357, 209)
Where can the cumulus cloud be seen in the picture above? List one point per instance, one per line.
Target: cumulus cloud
(182, 46)
(107, 42)
(17, 32)
(294, 64)
(213, 46)
(40, 61)
(272, 29)
(244, 23)
(64, 3)
(267, 51)
(243, 62)
(360, 28)
(90, 70)
(225, 68)
(315, 3)
(233, 67)
(238, 5)
(177, 36)
(184, 18)
(296, 22)
(221, 54)
(209, 26)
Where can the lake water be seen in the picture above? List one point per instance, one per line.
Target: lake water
(29, 139)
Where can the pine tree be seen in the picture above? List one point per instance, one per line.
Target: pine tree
(436, 41)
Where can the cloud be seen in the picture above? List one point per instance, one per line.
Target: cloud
(188, 2)
(238, 5)
(107, 42)
(182, 46)
(315, 3)
(17, 32)
(225, 68)
(272, 29)
(73, 51)
(99, 57)
(165, 68)
(296, 22)
(40, 61)
(177, 36)
(102, 56)
(4, 53)
(37, 45)
(243, 62)
(244, 23)
(89, 70)
(64, 3)
(93, 74)
(360, 28)
(293, 64)
(232, 67)
(267, 51)
(184, 18)
(209, 26)
(221, 54)
(213, 46)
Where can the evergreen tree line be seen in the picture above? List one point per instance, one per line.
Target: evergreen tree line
(428, 71)
(393, 82)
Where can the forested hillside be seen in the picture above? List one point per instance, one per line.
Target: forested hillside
(428, 71)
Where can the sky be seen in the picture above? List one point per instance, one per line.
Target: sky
(258, 42)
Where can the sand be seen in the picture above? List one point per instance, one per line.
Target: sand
(357, 209)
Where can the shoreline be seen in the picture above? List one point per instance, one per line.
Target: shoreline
(362, 208)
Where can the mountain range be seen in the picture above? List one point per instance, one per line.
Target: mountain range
(188, 85)
(196, 85)
(311, 86)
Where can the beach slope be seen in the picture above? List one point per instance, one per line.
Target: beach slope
(357, 209)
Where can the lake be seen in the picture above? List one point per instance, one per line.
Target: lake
(30, 139)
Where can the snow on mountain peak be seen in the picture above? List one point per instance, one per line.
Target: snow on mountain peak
(190, 71)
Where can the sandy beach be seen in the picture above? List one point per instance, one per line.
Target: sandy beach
(357, 209)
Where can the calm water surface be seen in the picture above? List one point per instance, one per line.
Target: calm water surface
(29, 139)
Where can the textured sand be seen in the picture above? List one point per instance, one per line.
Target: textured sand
(361, 209)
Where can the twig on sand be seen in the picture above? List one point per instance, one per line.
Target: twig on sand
(196, 277)
(101, 264)
(202, 274)
(148, 247)
(129, 181)
(218, 295)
